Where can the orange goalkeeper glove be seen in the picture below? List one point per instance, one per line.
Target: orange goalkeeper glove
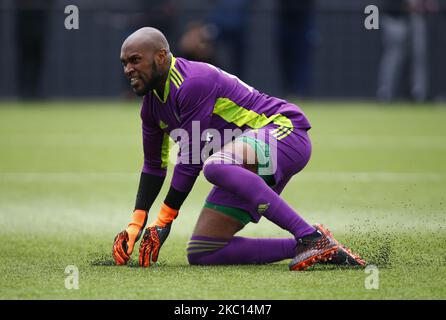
(125, 240)
(155, 235)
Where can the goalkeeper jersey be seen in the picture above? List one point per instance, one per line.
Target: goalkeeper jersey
(199, 99)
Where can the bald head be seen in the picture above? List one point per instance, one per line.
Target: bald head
(147, 38)
(146, 58)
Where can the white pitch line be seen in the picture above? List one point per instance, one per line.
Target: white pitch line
(372, 176)
(381, 141)
(67, 176)
(70, 139)
(336, 140)
(304, 176)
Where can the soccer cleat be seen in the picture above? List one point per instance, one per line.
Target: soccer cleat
(343, 255)
(313, 248)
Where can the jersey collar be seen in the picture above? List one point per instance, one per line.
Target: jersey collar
(167, 84)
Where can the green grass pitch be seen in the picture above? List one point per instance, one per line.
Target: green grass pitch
(69, 174)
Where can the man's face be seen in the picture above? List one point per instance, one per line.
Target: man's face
(140, 68)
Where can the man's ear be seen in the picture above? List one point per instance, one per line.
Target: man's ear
(161, 57)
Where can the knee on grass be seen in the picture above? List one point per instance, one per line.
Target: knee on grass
(201, 250)
(197, 259)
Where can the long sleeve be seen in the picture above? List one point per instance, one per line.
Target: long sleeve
(195, 100)
(155, 146)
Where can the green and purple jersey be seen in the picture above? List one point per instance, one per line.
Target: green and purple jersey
(200, 93)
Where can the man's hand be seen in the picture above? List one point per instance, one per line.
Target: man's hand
(125, 240)
(155, 235)
(120, 248)
(153, 239)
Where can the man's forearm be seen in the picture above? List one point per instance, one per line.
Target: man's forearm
(175, 198)
(149, 188)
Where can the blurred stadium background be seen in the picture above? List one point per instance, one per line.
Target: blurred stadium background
(314, 49)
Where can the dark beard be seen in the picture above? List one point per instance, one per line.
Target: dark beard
(151, 85)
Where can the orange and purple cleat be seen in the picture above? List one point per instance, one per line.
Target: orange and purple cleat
(313, 248)
(343, 256)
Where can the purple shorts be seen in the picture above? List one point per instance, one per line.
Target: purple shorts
(286, 151)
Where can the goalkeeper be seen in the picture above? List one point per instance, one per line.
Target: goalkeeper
(249, 169)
